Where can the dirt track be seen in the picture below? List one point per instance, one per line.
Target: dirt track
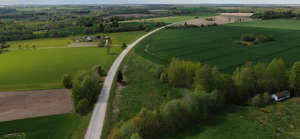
(26, 104)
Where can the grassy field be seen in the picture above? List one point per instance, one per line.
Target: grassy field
(279, 120)
(272, 24)
(44, 68)
(66, 126)
(30, 69)
(174, 19)
(203, 44)
(117, 39)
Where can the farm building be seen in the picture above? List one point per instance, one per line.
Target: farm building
(281, 95)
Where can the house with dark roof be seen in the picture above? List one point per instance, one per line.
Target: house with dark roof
(279, 96)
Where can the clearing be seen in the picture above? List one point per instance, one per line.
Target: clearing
(20, 105)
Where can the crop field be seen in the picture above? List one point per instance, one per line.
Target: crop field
(174, 19)
(117, 39)
(279, 120)
(55, 127)
(203, 44)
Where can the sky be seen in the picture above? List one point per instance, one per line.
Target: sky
(13, 2)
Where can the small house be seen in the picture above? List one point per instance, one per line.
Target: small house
(281, 95)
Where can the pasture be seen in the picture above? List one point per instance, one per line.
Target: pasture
(117, 39)
(63, 126)
(203, 44)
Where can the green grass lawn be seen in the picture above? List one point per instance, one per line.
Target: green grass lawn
(117, 39)
(281, 120)
(65, 126)
(216, 45)
(174, 19)
(44, 68)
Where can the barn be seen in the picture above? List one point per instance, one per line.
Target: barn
(281, 95)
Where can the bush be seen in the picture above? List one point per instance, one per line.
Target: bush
(148, 123)
(135, 136)
(266, 98)
(67, 81)
(120, 77)
(173, 114)
(257, 100)
(127, 129)
(82, 106)
(124, 46)
(98, 69)
(163, 77)
(248, 38)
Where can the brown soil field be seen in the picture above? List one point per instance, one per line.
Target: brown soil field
(27, 104)
(223, 18)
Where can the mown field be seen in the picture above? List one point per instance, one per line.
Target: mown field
(31, 69)
(216, 45)
(174, 19)
(117, 39)
(65, 126)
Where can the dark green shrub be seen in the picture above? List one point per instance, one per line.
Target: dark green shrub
(99, 70)
(82, 106)
(67, 81)
(124, 45)
(163, 77)
(120, 77)
(248, 38)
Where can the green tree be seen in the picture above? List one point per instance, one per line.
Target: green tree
(294, 78)
(67, 81)
(124, 45)
(120, 77)
(82, 106)
(277, 76)
(207, 77)
(266, 98)
(244, 79)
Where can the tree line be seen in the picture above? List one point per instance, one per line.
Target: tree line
(212, 91)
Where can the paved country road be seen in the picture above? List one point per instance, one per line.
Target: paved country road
(97, 121)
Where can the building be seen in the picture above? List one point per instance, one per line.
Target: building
(281, 95)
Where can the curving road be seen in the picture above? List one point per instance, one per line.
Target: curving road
(97, 121)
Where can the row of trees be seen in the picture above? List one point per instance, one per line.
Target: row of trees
(246, 82)
(273, 14)
(86, 86)
(3, 46)
(170, 117)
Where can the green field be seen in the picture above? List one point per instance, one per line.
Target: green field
(174, 19)
(65, 126)
(216, 45)
(117, 39)
(30, 69)
(44, 68)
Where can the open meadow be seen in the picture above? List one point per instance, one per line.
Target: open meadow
(203, 44)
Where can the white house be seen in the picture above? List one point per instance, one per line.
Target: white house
(281, 95)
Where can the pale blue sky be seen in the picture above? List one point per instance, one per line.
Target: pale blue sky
(10, 2)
